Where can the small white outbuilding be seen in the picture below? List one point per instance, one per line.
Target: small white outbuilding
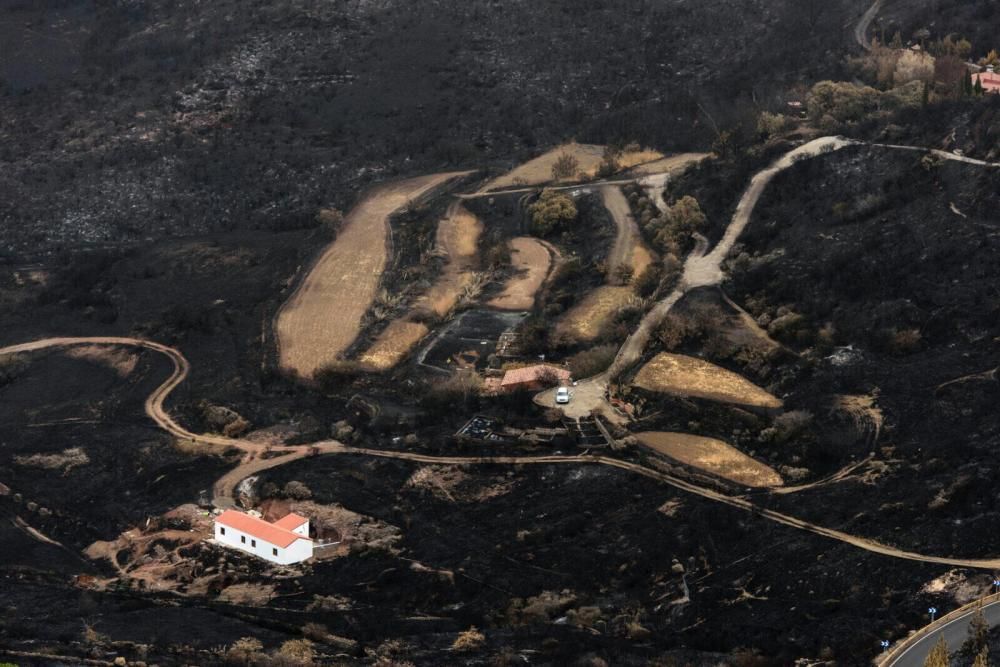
(286, 541)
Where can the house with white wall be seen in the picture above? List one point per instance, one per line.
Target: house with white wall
(286, 541)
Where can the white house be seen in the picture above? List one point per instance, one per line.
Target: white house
(284, 542)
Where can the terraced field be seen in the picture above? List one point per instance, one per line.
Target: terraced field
(712, 456)
(323, 316)
(680, 375)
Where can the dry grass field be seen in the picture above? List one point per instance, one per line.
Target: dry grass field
(323, 316)
(712, 456)
(629, 247)
(458, 238)
(588, 157)
(393, 344)
(680, 375)
(532, 262)
(585, 321)
(665, 165)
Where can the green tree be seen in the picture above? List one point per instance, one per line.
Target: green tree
(967, 83)
(938, 657)
(978, 634)
(551, 211)
(978, 88)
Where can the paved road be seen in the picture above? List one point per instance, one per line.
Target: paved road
(954, 633)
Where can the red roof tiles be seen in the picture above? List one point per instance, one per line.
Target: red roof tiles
(290, 521)
(269, 532)
(990, 81)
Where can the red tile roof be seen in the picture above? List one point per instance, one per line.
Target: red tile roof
(536, 373)
(990, 81)
(290, 521)
(262, 530)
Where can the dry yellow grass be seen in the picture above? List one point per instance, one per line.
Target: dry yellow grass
(687, 376)
(586, 320)
(458, 237)
(712, 456)
(664, 165)
(323, 317)
(588, 157)
(393, 344)
(531, 261)
(120, 360)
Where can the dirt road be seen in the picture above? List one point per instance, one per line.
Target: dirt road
(628, 248)
(323, 316)
(254, 462)
(861, 29)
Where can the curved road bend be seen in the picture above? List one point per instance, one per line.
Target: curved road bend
(861, 30)
(954, 632)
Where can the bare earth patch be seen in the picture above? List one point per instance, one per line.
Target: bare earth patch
(629, 248)
(323, 316)
(588, 157)
(680, 375)
(248, 594)
(393, 344)
(120, 360)
(453, 484)
(64, 461)
(669, 164)
(531, 261)
(458, 238)
(712, 456)
(586, 320)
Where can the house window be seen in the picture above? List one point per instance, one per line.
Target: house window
(222, 531)
(243, 539)
(253, 543)
(274, 552)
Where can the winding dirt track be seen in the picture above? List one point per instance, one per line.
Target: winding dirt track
(253, 463)
(700, 269)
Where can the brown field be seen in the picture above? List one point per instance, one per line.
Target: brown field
(323, 316)
(539, 170)
(687, 376)
(586, 320)
(712, 456)
(664, 165)
(393, 344)
(531, 261)
(458, 238)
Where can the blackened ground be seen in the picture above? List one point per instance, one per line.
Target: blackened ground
(894, 255)
(132, 470)
(596, 535)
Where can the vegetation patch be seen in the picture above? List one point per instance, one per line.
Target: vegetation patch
(592, 317)
(680, 375)
(712, 456)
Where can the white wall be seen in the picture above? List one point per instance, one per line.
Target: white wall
(302, 530)
(296, 552)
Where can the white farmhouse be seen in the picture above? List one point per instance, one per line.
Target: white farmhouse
(284, 542)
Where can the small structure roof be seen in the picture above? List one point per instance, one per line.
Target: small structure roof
(269, 532)
(990, 81)
(290, 521)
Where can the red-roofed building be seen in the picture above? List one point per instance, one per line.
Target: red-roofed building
(989, 79)
(285, 541)
(534, 378)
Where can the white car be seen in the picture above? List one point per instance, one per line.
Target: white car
(563, 395)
